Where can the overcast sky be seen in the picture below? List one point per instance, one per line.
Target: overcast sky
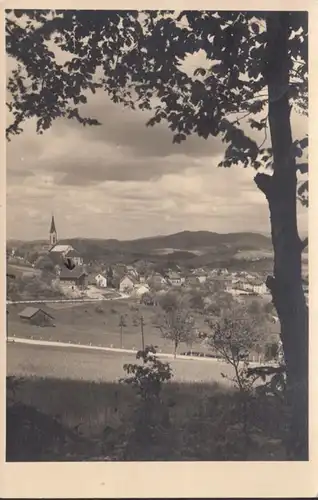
(125, 180)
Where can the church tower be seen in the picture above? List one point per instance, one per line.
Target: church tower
(53, 233)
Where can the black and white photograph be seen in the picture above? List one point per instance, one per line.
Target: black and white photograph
(157, 235)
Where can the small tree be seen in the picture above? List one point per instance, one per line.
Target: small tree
(255, 308)
(122, 324)
(175, 320)
(233, 337)
(147, 378)
(110, 277)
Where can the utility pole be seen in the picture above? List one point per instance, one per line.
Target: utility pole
(142, 324)
(121, 324)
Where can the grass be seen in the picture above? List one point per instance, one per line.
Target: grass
(55, 419)
(72, 363)
(82, 323)
(98, 324)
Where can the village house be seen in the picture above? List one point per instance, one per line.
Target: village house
(250, 286)
(201, 275)
(183, 277)
(259, 287)
(141, 290)
(101, 281)
(127, 284)
(36, 316)
(174, 278)
(75, 277)
(192, 280)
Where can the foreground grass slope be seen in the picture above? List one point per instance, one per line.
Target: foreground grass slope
(53, 419)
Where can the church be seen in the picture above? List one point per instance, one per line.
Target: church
(59, 252)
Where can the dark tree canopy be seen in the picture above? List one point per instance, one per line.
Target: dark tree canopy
(138, 59)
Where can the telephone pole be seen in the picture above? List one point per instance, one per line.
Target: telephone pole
(121, 324)
(142, 324)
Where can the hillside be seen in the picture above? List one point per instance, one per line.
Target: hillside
(194, 247)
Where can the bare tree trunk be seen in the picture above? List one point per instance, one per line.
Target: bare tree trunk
(175, 349)
(280, 191)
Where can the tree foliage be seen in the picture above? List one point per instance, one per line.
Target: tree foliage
(234, 336)
(175, 320)
(139, 59)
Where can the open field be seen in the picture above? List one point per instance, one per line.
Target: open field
(97, 323)
(82, 323)
(70, 363)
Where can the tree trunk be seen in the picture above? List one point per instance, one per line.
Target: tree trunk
(175, 349)
(280, 191)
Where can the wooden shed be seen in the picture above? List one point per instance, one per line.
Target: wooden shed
(36, 316)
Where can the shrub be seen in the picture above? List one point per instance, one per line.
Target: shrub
(147, 378)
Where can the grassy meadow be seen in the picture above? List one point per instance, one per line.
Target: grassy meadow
(98, 324)
(50, 419)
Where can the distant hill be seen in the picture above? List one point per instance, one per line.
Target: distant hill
(197, 247)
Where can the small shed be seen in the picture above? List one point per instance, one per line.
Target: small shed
(36, 316)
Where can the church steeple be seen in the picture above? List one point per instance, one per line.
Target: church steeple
(53, 232)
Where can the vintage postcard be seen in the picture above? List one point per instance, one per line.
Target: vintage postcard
(157, 304)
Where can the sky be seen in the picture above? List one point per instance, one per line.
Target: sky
(124, 180)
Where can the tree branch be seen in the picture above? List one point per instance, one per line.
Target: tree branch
(263, 182)
(304, 244)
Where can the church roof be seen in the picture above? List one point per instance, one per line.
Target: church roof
(53, 228)
(61, 248)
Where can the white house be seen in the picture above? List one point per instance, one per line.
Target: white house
(126, 284)
(101, 281)
(174, 279)
(202, 277)
(260, 288)
(141, 290)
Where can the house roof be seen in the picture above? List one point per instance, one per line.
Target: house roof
(60, 248)
(192, 277)
(75, 273)
(173, 276)
(128, 276)
(29, 312)
(142, 285)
